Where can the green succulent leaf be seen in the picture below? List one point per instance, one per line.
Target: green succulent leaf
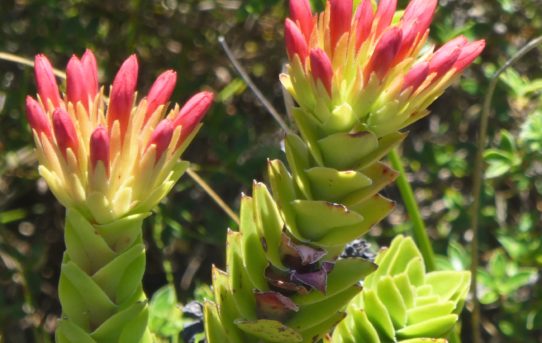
(315, 219)
(270, 330)
(347, 150)
(401, 303)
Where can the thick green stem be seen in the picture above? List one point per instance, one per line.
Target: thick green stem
(100, 287)
(419, 231)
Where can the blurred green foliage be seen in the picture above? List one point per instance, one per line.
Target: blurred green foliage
(187, 235)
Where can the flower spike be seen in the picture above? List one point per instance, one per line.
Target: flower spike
(161, 137)
(37, 118)
(65, 132)
(295, 42)
(384, 54)
(340, 19)
(364, 22)
(122, 94)
(300, 13)
(160, 91)
(321, 68)
(76, 85)
(445, 57)
(192, 113)
(468, 54)
(416, 76)
(90, 68)
(99, 148)
(421, 12)
(384, 15)
(46, 82)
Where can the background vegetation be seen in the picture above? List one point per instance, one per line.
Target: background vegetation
(187, 235)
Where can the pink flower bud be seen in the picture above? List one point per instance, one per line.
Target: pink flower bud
(90, 69)
(321, 68)
(65, 133)
(416, 75)
(421, 12)
(76, 86)
(122, 94)
(468, 54)
(295, 41)
(384, 15)
(384, 54)
(37, 118)
(161, 91)
(364, 19)
(300, 13)
(161, 137)
(192, 113)
(445, 57)
(410, 30)
(99, 148)
(340, 19)
(46, 82)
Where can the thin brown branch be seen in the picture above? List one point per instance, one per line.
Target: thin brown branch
(244, 75)
(217, 199)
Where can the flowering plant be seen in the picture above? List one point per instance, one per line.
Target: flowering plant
(109, 162)
(358, 75)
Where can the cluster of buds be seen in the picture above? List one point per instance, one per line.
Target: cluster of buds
(365, 68)
(109, 157)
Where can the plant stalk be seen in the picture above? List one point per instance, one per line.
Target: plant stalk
(100, 287)
(419, 231)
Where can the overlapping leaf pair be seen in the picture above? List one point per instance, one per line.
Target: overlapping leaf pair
(109, 163)
(358, 76)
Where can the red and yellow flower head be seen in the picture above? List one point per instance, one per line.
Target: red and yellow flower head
(110, 157)
(364, 67)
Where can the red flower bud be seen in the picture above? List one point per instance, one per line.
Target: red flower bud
(415, 23)
(384, 55)
(300, 13)
(364, 19)
(414, 78)
(421, 12)
(295, 41)
(161, 91)
(65, 133)
(410, 30)
(192, 113)
(90, 69)
(445, 57)
(321, 68)
(468, 54)
(161, 137)
(76, 85)
(46, 82)
(340, 19)
(122, 94)
(99, 148)
(384, 15)
(37, 118)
